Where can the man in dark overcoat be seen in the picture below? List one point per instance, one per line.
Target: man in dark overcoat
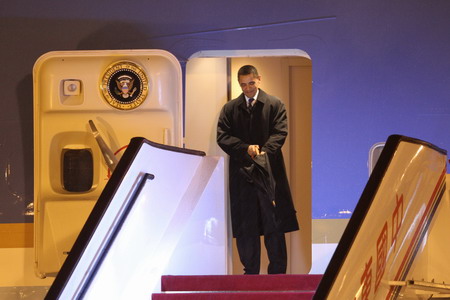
(252, 129)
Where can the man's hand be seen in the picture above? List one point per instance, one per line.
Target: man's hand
(253, 150)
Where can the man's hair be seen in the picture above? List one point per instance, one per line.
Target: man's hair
(247, 70)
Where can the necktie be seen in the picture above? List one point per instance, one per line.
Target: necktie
(250, 101)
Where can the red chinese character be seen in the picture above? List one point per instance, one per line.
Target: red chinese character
(381, 254)
(397, 218)
(366, 280)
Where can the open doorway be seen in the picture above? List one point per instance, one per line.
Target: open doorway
(211, 81)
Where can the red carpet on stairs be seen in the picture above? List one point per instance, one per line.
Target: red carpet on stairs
(250, 287)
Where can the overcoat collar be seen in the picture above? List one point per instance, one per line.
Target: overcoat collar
(262, 97)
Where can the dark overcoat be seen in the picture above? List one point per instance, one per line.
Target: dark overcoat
(264, 125)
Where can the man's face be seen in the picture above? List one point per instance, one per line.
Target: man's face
(249, 84)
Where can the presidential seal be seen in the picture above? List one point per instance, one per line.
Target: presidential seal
(124, 85)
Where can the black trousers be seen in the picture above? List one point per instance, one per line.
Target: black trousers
(249, 249)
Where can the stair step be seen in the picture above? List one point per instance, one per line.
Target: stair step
(281, 282)
(234, 296)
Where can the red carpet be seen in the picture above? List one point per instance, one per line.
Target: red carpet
(300, 287)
